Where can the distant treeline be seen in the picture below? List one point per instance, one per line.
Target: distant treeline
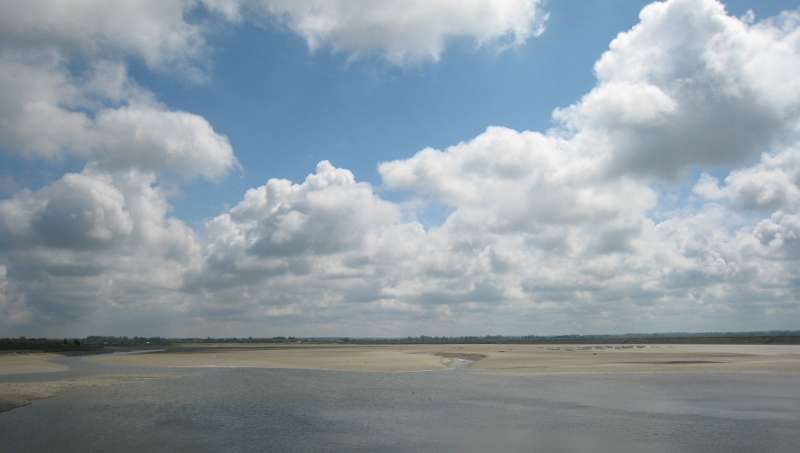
(769, 337)
(63, 346)
(97, 343)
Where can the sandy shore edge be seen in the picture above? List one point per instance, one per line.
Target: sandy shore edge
(19, 394)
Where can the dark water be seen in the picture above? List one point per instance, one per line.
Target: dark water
(247, 410)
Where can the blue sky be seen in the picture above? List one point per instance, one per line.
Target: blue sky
(285, 109)
(664, 199)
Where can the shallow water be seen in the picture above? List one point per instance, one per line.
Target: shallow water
(246, 409)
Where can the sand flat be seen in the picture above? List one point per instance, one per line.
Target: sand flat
(17, 394)
(528, 359)
(34, 362)
(367, 358)
(538, 359)
(21, 393)
(500, 359)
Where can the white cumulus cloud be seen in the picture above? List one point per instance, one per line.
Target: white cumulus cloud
(692, 86)
(88, 243)
(409, 31)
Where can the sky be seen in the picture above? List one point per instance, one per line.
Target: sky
(375, 168)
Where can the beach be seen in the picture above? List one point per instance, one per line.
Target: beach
(501, 359)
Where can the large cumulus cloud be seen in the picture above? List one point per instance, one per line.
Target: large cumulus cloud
(92, 242)
(288, 227)
(691, 86)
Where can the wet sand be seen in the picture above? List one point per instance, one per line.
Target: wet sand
(485, 359)
(18, 394)
(34, 362)
(15, 394)
(500, 359)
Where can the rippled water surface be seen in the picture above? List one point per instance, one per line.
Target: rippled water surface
(245, 410)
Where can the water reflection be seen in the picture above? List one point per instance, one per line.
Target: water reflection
(211, 410)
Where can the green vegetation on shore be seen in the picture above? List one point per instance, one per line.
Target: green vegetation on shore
(100, 344)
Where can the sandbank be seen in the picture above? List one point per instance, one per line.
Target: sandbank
(17, 394)
(519, 359)
(356, 358)
(34, 362)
